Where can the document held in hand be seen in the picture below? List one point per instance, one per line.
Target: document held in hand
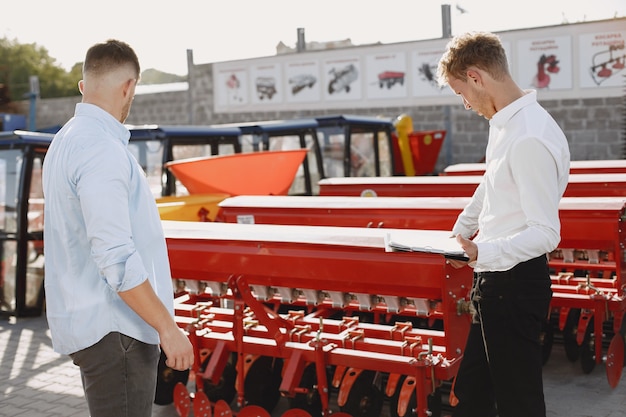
(428, 241)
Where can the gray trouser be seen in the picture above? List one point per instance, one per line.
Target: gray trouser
(119, 376)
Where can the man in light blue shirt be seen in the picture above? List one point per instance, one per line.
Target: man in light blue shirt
(108, 287)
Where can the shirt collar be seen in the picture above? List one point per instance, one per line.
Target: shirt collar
(501, 118)
(109, 122)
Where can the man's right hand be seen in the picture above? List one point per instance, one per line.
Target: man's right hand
(178, 349)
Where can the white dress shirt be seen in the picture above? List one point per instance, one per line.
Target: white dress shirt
(102, 233)
(515, 209)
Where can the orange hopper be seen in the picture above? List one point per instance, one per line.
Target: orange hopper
(254, 173)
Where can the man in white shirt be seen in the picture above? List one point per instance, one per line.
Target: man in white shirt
(109, 295)
(507, 230)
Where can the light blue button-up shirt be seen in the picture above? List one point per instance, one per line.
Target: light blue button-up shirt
(102, 233)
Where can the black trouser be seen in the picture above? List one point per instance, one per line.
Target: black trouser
(501, 370)
(119, 376)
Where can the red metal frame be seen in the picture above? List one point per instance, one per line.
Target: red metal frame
(242, 259)
(592, 239)
(580, 185)
(608, 166)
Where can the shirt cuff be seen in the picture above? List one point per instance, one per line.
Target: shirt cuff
(487, 255)
(126, 276)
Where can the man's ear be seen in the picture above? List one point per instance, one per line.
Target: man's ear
(81, 86)
(474, 77)
(128, 87)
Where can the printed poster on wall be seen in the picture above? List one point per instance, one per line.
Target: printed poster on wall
(266, 83)
(232, 86)
(602, 57)
(424, 66)
(386, 75)
(342, 79)
(545, 63)
(303, 81)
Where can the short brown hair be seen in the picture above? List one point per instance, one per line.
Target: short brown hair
(480, 49)
(103, 57)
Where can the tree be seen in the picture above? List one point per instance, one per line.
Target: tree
(20, 61)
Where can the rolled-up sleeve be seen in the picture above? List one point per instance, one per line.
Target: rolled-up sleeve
(125, 276)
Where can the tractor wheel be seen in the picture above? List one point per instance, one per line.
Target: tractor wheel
(167, 378)
(572, 350)
(262, 383)
(225, 388)
(364, 399)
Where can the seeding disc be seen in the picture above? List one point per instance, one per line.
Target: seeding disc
(615, 360)
(296, 412)
(201, 405)
(222, 409)
(182, 401)
(253, 411)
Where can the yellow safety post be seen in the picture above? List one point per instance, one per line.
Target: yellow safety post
(404, 126)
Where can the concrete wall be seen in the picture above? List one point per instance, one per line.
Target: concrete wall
(594, 126)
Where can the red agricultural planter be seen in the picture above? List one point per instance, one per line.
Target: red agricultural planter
(580, 185)
(606, 166)
(272, 317)
(588, 267)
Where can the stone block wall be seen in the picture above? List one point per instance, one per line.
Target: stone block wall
(593, 126)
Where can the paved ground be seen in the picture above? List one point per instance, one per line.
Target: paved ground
(36, 382)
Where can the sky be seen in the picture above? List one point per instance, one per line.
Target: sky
(161, 32)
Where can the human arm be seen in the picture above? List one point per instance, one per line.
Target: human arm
(175, 344)
(467, 222)
(466, 226)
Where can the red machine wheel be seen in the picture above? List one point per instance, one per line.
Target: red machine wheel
(296, 412)
(253, 411)
(201, 405)
(364, 399)
(222, 409)
(182, 400)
